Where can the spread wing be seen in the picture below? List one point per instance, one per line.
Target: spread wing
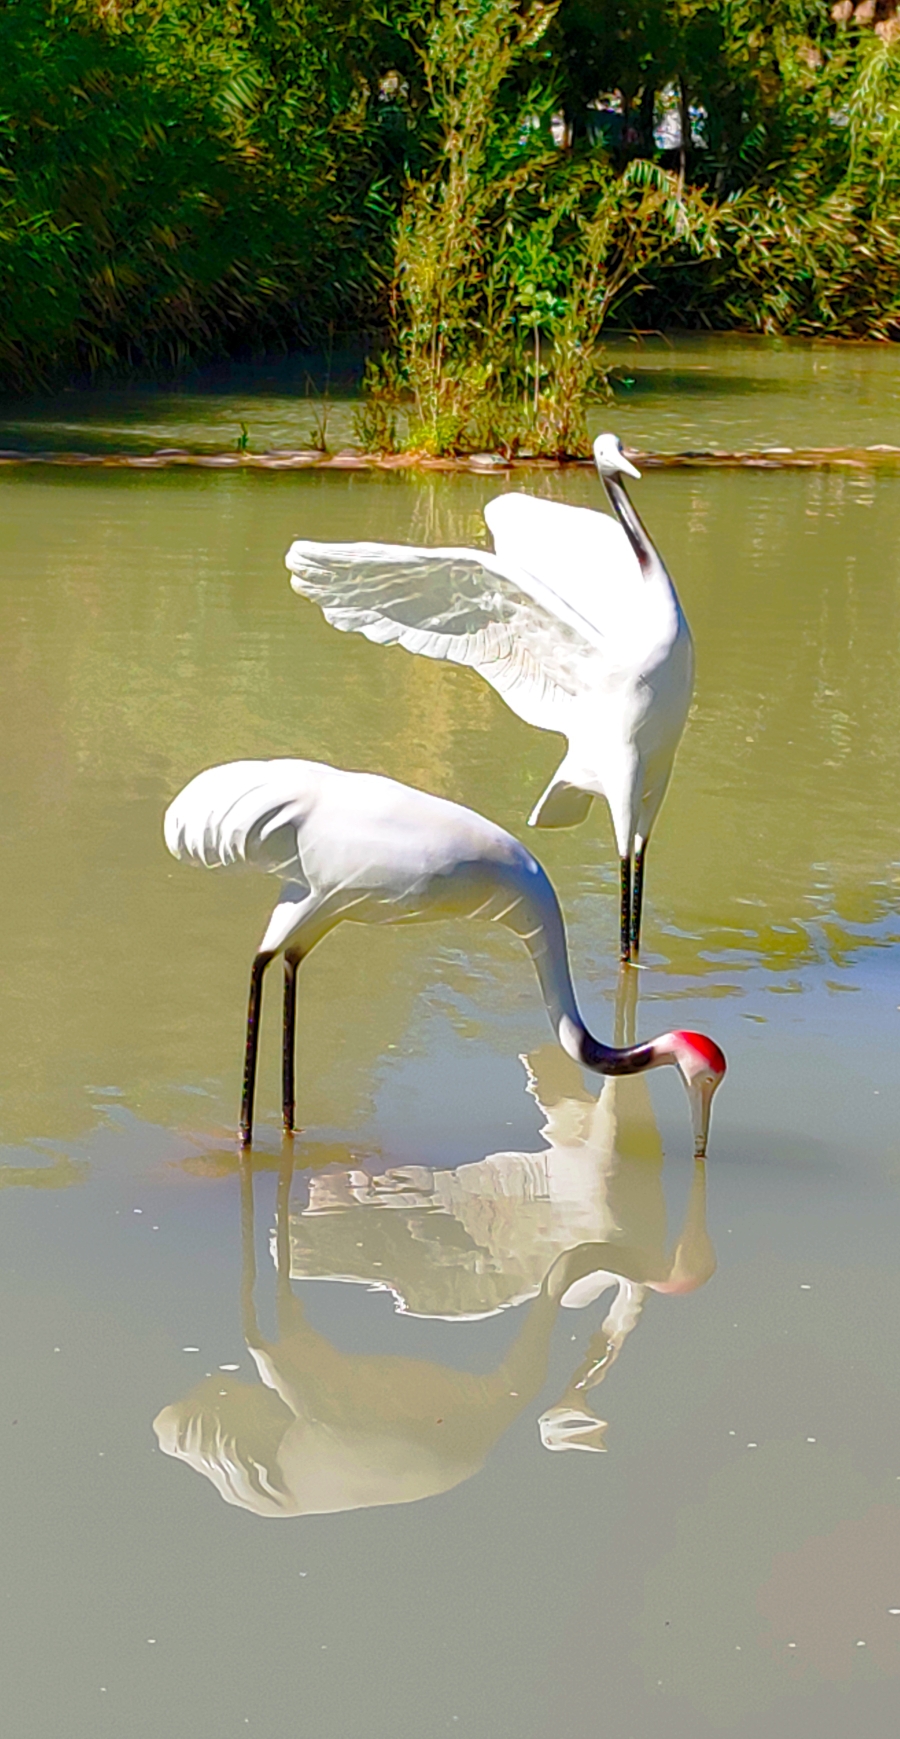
(462, 605)
(583, 557)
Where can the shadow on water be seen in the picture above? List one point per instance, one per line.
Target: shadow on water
(632, 383)
(685, 389)
(276, 398)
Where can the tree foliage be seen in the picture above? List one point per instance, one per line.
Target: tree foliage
(181, 178)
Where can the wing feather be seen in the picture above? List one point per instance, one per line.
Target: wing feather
(460, 605)
(583, 557)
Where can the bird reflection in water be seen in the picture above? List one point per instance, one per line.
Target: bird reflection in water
(328, 1430)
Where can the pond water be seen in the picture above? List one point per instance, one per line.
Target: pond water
(668, 394)
(318, 1449)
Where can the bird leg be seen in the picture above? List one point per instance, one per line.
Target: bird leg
(252, 1046)
(637, 899)
(288, 1044)
(625, 909)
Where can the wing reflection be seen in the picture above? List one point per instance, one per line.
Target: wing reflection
(472, 1240)
(327, 1430)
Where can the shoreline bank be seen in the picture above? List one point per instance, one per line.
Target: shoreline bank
(765, 458)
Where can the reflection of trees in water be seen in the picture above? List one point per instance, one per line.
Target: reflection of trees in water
(328, 1430)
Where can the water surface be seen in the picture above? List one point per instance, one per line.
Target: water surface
(415, 1469)
(669, 393)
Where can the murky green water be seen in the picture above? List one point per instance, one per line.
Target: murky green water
(668, 394)
(368, 1509)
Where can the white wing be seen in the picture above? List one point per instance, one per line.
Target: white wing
(583, 557)
(463, 605)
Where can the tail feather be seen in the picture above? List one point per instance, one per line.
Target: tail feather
(244, 812)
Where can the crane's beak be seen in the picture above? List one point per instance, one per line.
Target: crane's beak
(700, 1094)
(629, 469)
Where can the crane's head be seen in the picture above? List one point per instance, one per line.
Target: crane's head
(702, 1067)
(610, 460)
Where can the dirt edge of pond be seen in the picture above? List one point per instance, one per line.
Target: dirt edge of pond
(765, 459)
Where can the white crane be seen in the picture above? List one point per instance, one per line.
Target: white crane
(572, 618)
(362, 847)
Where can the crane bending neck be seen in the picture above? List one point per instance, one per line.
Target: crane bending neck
(581, 1045)
(537, 919)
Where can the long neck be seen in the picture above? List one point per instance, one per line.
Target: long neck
(607, 1059)
(629, 519)
(537, 919)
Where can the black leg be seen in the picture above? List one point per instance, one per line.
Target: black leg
(291, 963)
(637, 900)
(252, 1046)
(625, 909)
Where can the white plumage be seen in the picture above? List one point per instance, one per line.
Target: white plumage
(572, 618)
(361, 847)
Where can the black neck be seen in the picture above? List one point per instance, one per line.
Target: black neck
(616, 1060)
(630, 521)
